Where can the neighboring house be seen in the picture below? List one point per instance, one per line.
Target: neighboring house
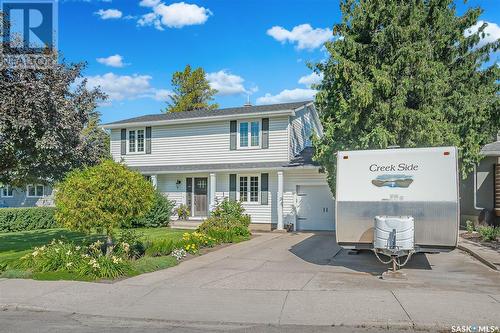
(486, 186)
(259, 155)
(32, 195)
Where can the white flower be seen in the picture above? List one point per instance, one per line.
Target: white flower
(69, 264)
(96, 265)
(35, 253)
(57, 250)
(126, 247)
(116, 260)
(68, 253)
(78, 248)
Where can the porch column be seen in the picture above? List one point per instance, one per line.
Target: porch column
(154, 181)
(280, 201)
(212, 191)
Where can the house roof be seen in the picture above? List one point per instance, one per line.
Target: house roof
(304, 160)
(170, 117)
(491, 149)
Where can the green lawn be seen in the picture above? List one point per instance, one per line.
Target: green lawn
(14, 245)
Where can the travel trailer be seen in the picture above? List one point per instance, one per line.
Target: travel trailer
(398, 201)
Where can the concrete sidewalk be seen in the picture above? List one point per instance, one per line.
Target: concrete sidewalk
(486, 255)
(284, 279)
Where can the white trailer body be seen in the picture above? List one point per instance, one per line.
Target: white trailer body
(417, 182)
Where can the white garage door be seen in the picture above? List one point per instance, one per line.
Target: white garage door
(315, 208)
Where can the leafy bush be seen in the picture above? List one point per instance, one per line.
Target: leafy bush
(158, 216)
(229, 208)
(227, 222)
(130, 244)
(23, 219)
(469, 225)
(489, 233)
(183, 212)
(85, 261)
(102, 198)
(227, 236)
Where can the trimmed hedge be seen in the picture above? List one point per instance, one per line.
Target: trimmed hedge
(23, 219)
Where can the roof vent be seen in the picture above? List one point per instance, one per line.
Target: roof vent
(248, 103)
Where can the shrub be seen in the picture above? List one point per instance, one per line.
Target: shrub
(183, 212)
(23, 219)
(102, 198)
(158, 216)
(469, 225)
(229, 208)
(489, 233)
(129, 244)
(227, 222)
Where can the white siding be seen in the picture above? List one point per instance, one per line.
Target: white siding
(259, 213)
(292, 179)
(203, 143)
(302, 126)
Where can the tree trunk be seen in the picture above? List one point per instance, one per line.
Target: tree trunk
(109, 246)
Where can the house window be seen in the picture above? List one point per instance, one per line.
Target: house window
(243, 134)
(131, 141)
(140, 141)
(136, 141)
(34, 191)
(249, 132)
(249, 188)
(6, 191)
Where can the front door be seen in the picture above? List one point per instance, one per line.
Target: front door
(200, 196)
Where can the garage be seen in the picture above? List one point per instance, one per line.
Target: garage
(315, 208)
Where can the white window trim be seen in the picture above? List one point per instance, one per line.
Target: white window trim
(35, 196)
(8, 187)
(250, 121)
(136, 141)
(248, 202)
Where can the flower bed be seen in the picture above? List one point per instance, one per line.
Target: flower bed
(485, 235)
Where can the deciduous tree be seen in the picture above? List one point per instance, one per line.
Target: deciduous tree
(48, 123)
(102, 198)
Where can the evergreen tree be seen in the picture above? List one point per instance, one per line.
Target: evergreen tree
(191, 91)
(402, 72)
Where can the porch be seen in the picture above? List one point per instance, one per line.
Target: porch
(260, 191)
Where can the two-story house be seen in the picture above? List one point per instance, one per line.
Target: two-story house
(259, 155)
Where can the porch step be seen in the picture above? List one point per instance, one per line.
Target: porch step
(189, 224)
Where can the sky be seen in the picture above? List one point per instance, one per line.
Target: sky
(250, 49)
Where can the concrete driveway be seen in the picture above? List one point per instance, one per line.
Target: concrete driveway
(284, 279)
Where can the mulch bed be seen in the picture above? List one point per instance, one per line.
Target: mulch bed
(476, 238)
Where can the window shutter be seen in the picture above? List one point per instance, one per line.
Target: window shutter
(124, 142)
(232, 135)
(265, 133)
(264, 188)
(232, 187)
(148, 140)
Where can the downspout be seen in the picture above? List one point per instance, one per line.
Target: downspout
(475, 189)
